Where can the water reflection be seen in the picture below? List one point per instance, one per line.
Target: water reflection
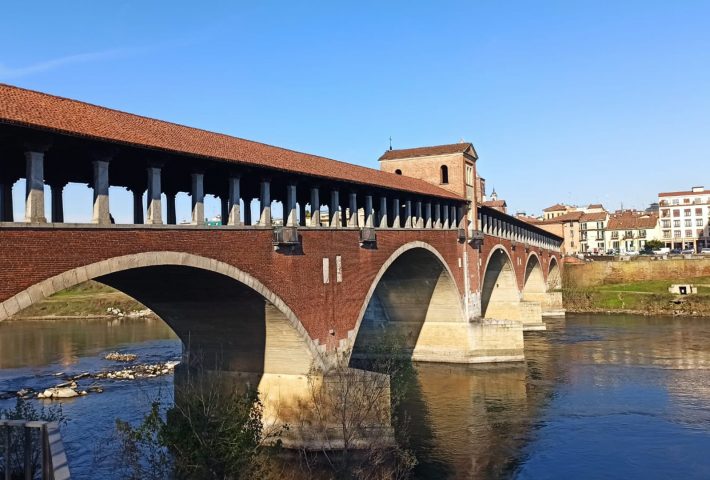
(598, 396)
(34, 343)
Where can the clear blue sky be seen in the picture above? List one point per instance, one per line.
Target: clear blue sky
(565, 101)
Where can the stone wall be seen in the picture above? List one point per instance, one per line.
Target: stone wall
(610, 272)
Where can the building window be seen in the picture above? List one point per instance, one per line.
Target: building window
(676, 213)
(688, 222)
(666, 224)
(676, 233)
(699, 222)
(665, 213)
(686, 212)
(699, 212)
(686, 200)
(444, 174)
(666, 234)
(398, 171)
(642, 233)
(688, 234)
(675, 201)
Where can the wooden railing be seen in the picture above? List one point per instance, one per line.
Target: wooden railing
(17, 439)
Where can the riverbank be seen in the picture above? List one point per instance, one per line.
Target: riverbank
(649, 297)
(86, 300)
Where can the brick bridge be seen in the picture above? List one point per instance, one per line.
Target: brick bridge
(358, 252)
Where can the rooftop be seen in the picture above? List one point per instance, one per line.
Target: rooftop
(462, 147)
(632, 221)
(50, 113)
(555, 208)
(693, 191)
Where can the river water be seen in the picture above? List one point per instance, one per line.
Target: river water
(598, 397)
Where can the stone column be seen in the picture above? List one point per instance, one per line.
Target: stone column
(34, 197)
(315, 207)
(437, 215)
(352, 206)
(290, 217)
(418, 213)
(101, 184)
(460, 217)
(408, 214)
(234, 196)
(265, 202)
(427, 215)
(137, 205)
(247, 211)
(198, 198)
(369, 217)
(445, 217)
(383, 212)
(334, 209)
(170, 213)
(155, 211)
(396, 222)
(57, 201)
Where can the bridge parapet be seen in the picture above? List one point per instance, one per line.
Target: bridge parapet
(498, 224)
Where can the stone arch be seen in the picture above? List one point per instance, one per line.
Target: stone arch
(285, 340)
(554, 275)
(499, 289)
(534, 286)
(413, 289)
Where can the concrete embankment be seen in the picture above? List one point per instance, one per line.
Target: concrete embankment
(637, 286)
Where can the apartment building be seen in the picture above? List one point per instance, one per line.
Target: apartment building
(684, 218)
(629, 230)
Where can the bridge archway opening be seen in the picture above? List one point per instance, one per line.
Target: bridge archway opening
(226, 320)
(499, 291)
(414, 288)
(554, 276)
(534, 282)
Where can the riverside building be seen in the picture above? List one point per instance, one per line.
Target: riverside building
(684, 218)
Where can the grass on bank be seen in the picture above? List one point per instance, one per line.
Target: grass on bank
(650, 297)
(88, 299)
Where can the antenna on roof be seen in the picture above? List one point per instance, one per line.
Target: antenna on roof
(390, 142)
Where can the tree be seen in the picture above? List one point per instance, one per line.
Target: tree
(651, 245)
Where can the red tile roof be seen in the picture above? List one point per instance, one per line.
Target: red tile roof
(565, 217)
(427, 151)
(593, 217)
(29, 108)
(555, 208)
(632, 221)
(494, 203)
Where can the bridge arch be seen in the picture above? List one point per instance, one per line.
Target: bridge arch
(280, 338)
(534, 286)
(499, 288)
(413, 288)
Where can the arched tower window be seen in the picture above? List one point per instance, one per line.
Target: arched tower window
(444, 174)
(398, 171)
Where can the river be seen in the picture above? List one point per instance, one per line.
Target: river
(598, 397)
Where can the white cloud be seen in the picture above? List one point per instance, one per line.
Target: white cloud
(7, 73)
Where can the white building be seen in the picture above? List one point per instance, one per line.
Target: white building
(629, 230)
(684, 218)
